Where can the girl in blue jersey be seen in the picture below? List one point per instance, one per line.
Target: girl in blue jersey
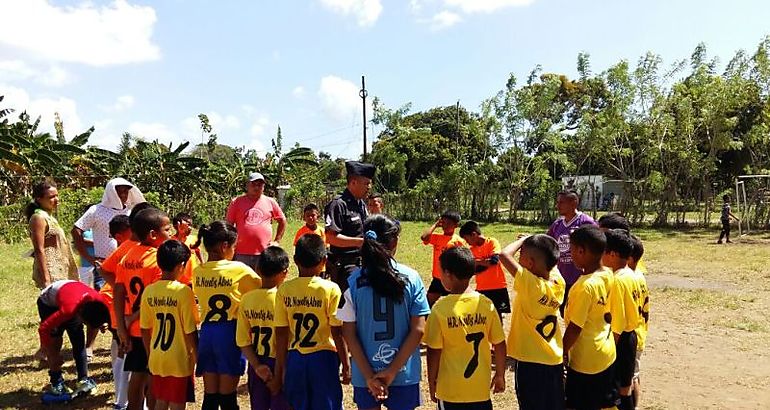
(383, 322)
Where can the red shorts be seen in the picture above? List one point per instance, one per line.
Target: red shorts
(173, 389)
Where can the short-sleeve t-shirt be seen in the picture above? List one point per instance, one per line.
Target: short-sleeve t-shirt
(587, 304)
(561, 230)
(97, 218)
(627, 306)
(492, 277)
(137, 270)
(464, 327)
(535, 336)
(345, 215)
(641, 331)
(382, 324)
(319, 230)
(308, 307)
(725, 217)
(256, 321)
(219, 286)
(253, 219)
(440, 243)
(88, 236)
(168, 308)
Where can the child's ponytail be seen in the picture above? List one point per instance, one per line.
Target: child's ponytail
(380, 234)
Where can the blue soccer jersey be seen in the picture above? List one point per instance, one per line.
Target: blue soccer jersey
(382, 325)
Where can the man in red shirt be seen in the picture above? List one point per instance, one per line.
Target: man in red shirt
(64, 306)
(253, 214)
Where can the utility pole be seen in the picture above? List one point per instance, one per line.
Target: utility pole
(457, 129)
(363, 93)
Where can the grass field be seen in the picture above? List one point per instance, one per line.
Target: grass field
(706, 349)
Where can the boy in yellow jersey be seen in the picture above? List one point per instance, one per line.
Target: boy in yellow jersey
(169, 320)
(589, 347)
(255, 331)
(448, 222)
(625, 309)
(460, 330)
(219, 284)
(306, 326)
(641, 331)
(310, 215)
(137, 270)
(490, 279)
(535, 339)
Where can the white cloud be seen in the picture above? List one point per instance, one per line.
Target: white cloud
(485, 6)
(150, 131)
(444, 19)
(260, 129)
(298, 91)
(45, 107)
(366, 12)
(340, 99)
(117, 33)
(18, 70)
(121, 103)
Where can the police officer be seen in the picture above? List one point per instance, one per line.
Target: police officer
(345, 215)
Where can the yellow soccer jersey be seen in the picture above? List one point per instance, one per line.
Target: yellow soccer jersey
(626, 303)
(255, 321)
(219, 286)
(464, 327)
(644, 310)
(594, 350)
(308, 307)
(168, 309)
(535, 336)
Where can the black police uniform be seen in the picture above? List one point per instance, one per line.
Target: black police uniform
(345, 215)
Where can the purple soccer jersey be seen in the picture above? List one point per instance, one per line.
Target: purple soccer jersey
(560, 230)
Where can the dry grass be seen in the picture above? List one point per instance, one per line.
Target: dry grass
(706, 345)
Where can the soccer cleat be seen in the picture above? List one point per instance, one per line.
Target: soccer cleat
(85, 386)
(59, 388)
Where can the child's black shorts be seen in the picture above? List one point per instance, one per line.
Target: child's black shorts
(478, 405)
(437, 287)
(591, 391)
(136, 359)
(500, 299)
(625, 361)
(539, 386)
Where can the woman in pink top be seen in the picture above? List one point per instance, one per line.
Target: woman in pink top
(253, 214)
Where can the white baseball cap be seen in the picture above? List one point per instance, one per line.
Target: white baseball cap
(256, 176)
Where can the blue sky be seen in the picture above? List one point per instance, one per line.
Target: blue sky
(150, 67)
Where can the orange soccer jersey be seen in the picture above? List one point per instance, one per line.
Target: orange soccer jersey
(319, 230)
(138, 269)
(441, 243)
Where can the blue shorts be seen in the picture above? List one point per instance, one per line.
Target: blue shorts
(217, 351)
(312, 381)
(399, 398)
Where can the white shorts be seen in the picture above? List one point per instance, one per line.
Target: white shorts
(87, 275)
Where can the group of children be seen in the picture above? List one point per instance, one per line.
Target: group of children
(175, 317)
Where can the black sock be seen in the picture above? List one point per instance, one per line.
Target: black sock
(626, 403)
(228, 401)
(210, 401)
(55, 376)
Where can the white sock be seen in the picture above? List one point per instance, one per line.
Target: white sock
(119, 376)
